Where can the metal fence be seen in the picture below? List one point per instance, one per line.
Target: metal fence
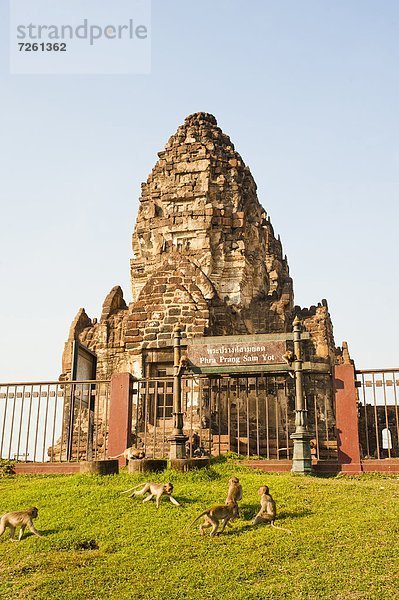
(52, 421)
(249, 415)
(378, 391)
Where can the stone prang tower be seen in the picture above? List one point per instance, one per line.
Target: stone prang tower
(204, 256)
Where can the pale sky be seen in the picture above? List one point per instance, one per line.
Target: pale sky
(307, 91)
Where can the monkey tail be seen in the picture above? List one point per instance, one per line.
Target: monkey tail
(282, 528)
(196, 519)
(117, 456)
(132, 488)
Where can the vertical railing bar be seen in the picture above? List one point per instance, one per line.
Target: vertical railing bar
(247, 409)
(389, 437)
(54, 424)
(87, 420)
(287, 437)
(145, 413)
(93, 401)
(266, 383)
(366, 416)
(326, 422)
(209, 380)
(37, 422)
(95, 398)
(228, 414)
(238, 415)
(78, 425)
(101, 400)
(191, 412)
(218, 409)
(155, 416)
(396, 408)
(79, 421)
(257, 415)
(4, 420)
(12, 422)
(63, 420)
(316, 415)
(106, 418)
(45, 422)
(100, 408)
(277, 419)
(20, 422)
(100, 415)
(316, 425)
(137, 411)
(71, 422)
(210, 436)
(164, 386)
(376, 424)
(89, 423)
(200, 409)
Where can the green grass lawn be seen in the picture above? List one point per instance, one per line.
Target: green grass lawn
(101, 544)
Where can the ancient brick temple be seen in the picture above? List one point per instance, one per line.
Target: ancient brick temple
(205, 256)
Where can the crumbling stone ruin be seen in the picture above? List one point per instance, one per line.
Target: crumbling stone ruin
(205, 256)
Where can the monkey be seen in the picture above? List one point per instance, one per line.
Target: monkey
(214, 514)
(182, 365)
(267, 513)
(154, 489)
(19, 517)
(234, 493)
(131, 454)
(289, 357)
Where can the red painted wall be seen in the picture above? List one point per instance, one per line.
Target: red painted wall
(120, 416)
(347, 419)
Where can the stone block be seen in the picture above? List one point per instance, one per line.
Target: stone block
(100, 467)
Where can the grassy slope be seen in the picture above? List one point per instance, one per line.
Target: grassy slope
(345, 542)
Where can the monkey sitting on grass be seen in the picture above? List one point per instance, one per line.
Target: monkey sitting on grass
(19, 518)
(267, 512)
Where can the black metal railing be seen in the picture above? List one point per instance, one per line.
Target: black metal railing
(51, 421)
(249, 415)
(378, 396)
(57, 421)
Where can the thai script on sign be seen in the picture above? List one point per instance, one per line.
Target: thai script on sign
(237, 353)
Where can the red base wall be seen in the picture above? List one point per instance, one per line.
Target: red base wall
(46, 468)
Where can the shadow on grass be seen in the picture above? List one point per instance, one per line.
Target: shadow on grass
(47, 532)
(248, 512)
(185, 500)
(243, 529)
(294, 514)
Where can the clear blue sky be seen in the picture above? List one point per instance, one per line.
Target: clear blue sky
(308, 92)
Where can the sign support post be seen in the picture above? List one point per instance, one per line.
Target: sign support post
(302, 460)
(177, 439)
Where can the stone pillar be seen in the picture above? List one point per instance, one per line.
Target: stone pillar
(177, 439)
(120, 416)
(346, 417)
(301, 460)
